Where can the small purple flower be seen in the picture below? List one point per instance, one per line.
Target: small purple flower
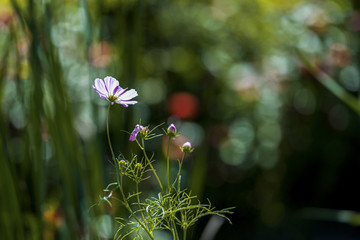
(110, 90)
(139, 129)
(171, 131)
(187, 148)
(134, 133)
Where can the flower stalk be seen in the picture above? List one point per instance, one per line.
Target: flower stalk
(108, 135)
(168, 165)
(184, 233)
(151, 166)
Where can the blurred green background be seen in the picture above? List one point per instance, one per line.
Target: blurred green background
(267, 92)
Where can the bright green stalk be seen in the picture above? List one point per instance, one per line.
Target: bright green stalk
(173, 232)
(151, 166)
(174, 229)
(184, 235)
(138, 201)
(168, 164)
(179, 173)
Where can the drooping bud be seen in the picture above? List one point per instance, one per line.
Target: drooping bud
(134, 133)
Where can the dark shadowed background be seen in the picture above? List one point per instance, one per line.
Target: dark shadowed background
(267, 92)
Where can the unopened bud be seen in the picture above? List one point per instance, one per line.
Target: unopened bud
(122, 163)
(187, 148)
(171, 131)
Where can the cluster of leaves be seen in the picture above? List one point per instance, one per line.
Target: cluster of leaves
(134, 169)
(166, 212)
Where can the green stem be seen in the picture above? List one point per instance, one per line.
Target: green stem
(168, 164)
(111, 149)
(184, 235)
(138, 201)
(175, 230)
(173, 233)
(120, 181)
(172, 228)
(108, 135)
(151, 166)
(179, 174)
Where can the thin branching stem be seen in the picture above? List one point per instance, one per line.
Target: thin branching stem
(174, 229)
(108, 135)
(151, 166)
(138, 202)
(179, 174)
(110, 146)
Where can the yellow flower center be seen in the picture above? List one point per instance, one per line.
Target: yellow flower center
(112, 98)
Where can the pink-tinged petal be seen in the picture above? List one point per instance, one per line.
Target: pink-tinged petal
(134, 133)
(120, 92)
(131, 102)
(111, 84)
(100, 87)
(129, 95)
(125, 103)
(100, 94)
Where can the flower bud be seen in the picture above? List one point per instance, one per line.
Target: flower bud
(122, 163)
(187, 148)
(138, 165)
(171, 131)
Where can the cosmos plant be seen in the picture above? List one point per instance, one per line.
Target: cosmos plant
(172, 209)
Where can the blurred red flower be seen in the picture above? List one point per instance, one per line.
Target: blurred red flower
(183, 105)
